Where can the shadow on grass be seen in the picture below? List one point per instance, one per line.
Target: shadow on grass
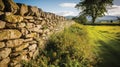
(110, 54)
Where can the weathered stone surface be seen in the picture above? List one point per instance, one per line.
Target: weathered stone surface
(4, 62)
(24, 31)
(15, 54)
(14, 43)
(33, 11)
(21, 47)
(35, 53)
(31, 35)
(9, 17)
(28, 39)
(28, 17)
(18, 59)
(30, 25)
(21, 25)
(23, 9)
(5, 53)
(9, 34)
(10, 25)
(32, 42)
(2, 44)
(2, 6)
(2, 24)
(10, 6)
(32, 47)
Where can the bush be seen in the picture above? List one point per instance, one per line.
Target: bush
(81, 19)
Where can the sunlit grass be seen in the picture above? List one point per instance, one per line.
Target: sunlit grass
(82, 46)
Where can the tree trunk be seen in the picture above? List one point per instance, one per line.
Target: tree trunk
(93, 19)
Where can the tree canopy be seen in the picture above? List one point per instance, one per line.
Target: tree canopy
(93, 8)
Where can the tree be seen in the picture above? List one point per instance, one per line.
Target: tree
(118, 18)
(80, 19)
(94, 8)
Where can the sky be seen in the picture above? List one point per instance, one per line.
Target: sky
(66, 7)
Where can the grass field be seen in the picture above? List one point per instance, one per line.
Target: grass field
(106, 42)
(81, 46)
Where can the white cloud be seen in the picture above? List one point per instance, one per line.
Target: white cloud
(114, 10)
(71, 5)
(67, 13)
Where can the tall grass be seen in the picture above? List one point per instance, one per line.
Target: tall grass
(69, 48)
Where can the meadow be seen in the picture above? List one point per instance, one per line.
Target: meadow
(81, 46)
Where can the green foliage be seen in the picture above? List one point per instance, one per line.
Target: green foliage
(81, 19)
(68, 48)
(93, 8)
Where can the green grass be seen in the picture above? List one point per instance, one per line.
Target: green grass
(81, 46)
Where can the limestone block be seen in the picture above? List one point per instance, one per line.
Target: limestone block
(31, 35)
(5, 53)
(9, 34)
(21, 25)
(28, 40)
(2, 6)
(30, 25)
(28, 17)
(33, 11)
(2, 44)
(2, 24)
(9, 17)
(15, 54)
(23, 9)
(32, 47)
(10, 25)
(10, 6)
(22, 46)
(24, 31)
(35, 53)
(4, 62)
(14, 43)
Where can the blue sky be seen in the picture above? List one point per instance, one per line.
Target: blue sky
(66, 7)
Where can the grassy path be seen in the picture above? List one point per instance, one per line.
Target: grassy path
(106, 40)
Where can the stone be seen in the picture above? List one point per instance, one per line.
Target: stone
(15, 54)
(2, 44)
(23, 9)
(4, 62)
(32, 47)
(9, 34)
(31, 35)
(21, 25)
(10, 25)
(28, 40)
(9, 17)
(30, 25)
(32, 42)
(2, 6)
(14, 43)
(18, 59)
(5, 53)
(32, 20)
(35, 54)
(10, 6)
(24, 31)
(35, 29)
(18, 65)
(2, 24)
(22, 46)
(28, 17)
(33, 11)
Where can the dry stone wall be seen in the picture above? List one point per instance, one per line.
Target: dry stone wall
(23, 30)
